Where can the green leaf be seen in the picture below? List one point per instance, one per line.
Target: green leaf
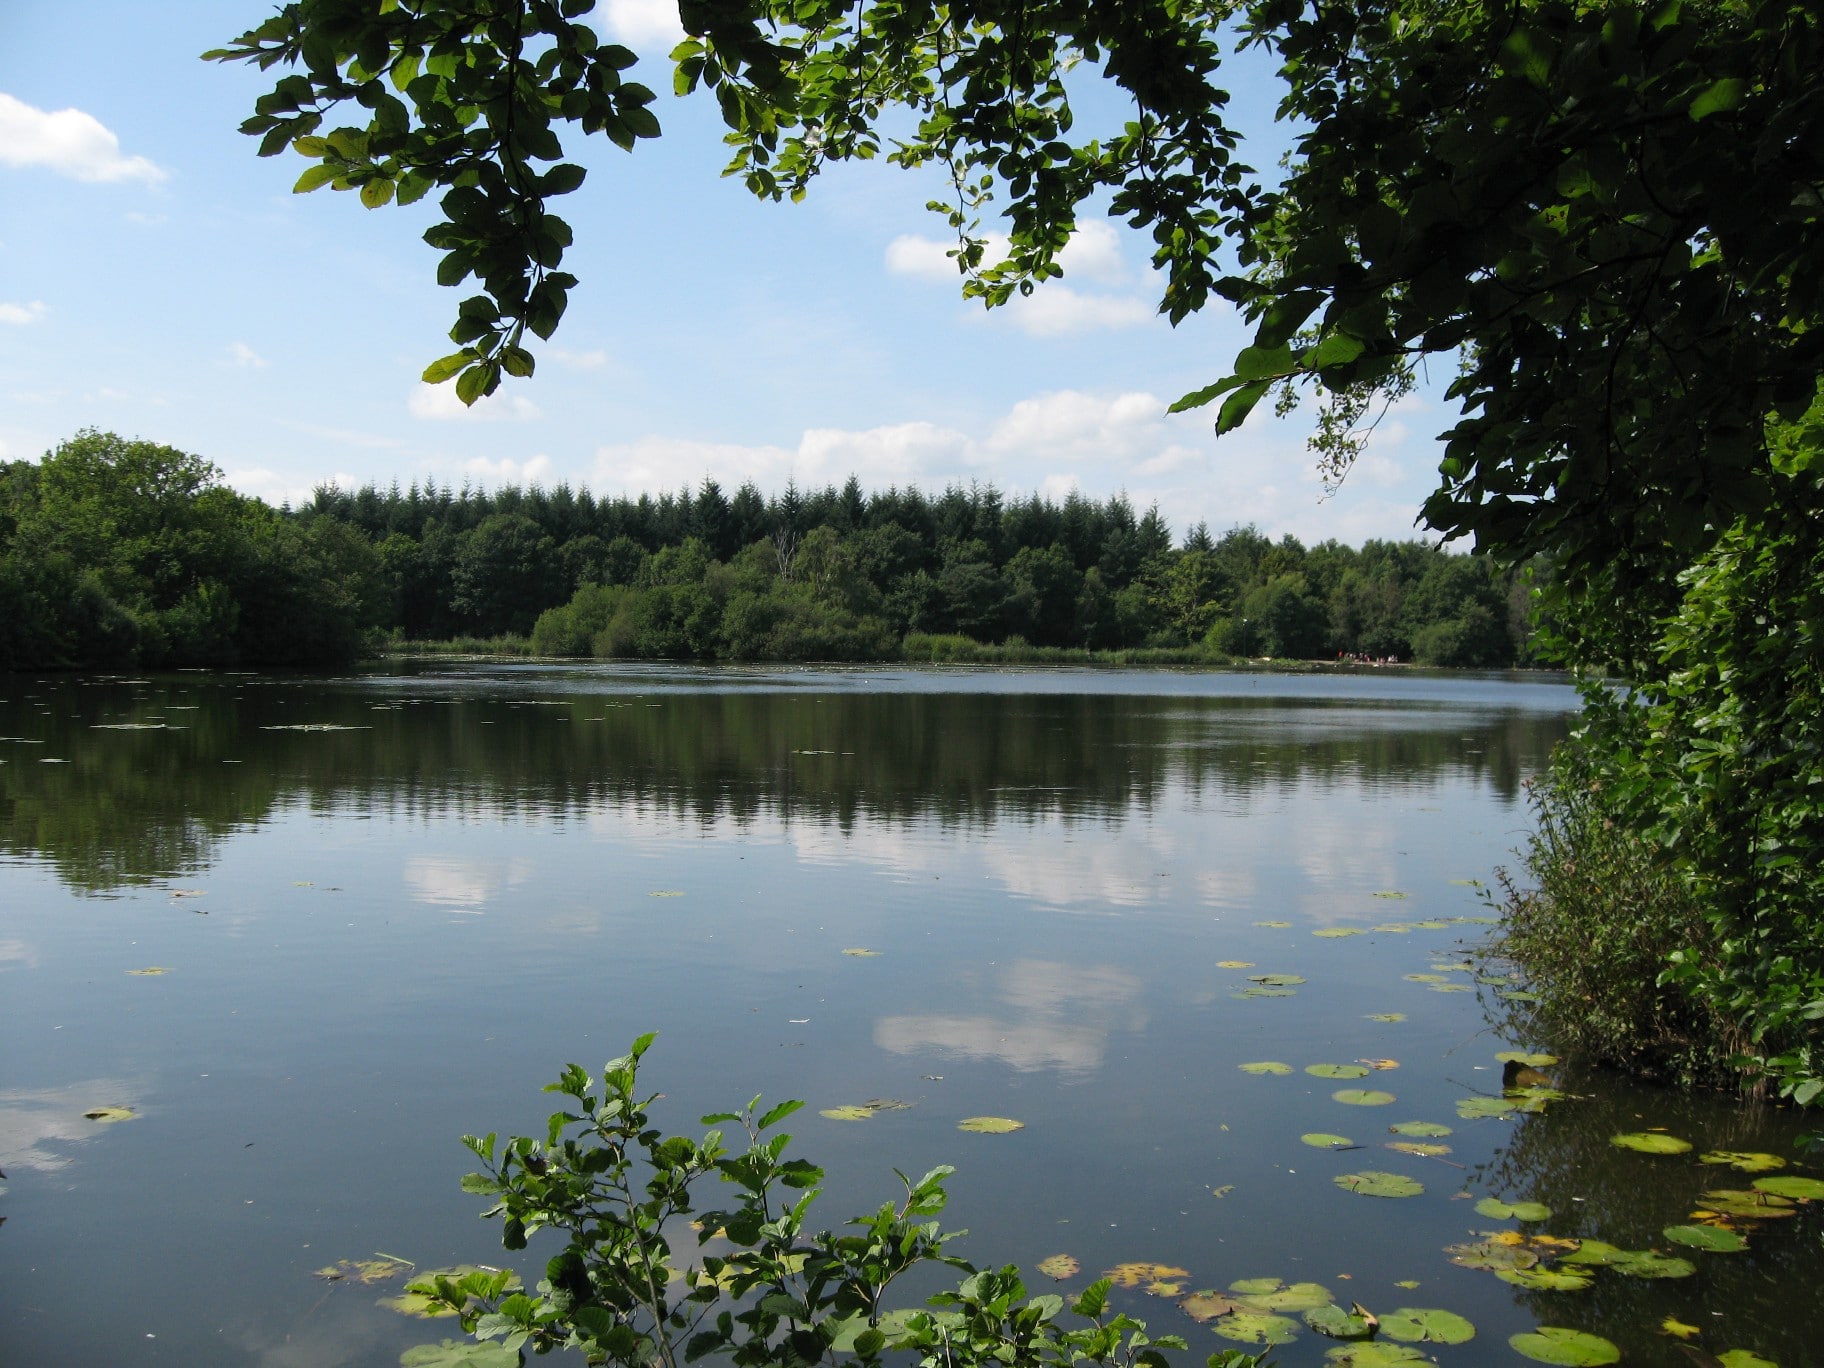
(1571, 1348)
(1375, 1183)
(1419, 1326)
(1236, 408)
(1722, 94)
(314, 177)
(1651, 1142)
(1710, 1239)
(439, 371)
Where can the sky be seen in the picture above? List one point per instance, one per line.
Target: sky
(159, 280)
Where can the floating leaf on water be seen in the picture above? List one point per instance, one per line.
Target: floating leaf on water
(150, 971)
(109, 1115)
(1673, 1326)
(1497, 1210)
(1275, 980)
(1321, 1140)
(459, 1354)
(1386, 1016)
(990, 1125)
(1711, 1239)
(859, 953)
(1450, 988)
(1234, 964)
(1533, 1100)
(1483, 1108)
(1257, 1327)
(1337, 1323)
(1260, 992)
(1570, 1348)
(1338, 932)
(1492, 1254)
(1396, 928)
(1530, 1060)
(365, 1271)
(1381, 1065)
(1205, 1306)
(1644, 1263)
(313, 727)
(1748, 1204)
(1432, 925)
(1139, 1274)
(666, 893)
(1425, 978)
(1425, 1149)
(1375, 1183)
(849, 1112)
(1744, 1162)
(1390, 893)
(1060, 1267)
(1597, 1253)
(1743, 1358)
(1223, 1191)
(1802, 1189)
(1337, 1070)
(1163, 1288)
(1546, 1279)
(1270, 1294)
(1362, 1097)
(1277, 925)
(1266, 1066)
(881, 1104)
(1427, 1326)
(1374, 1355)
(1651, 1142)
(1407, 1284)
(1427, 1128)
(423, 1305)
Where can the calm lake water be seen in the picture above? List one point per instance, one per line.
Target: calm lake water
(391, 906)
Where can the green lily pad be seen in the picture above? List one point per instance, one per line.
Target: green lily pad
(1257, 1327)
(364, 1271)
(1743, 1161)
(1270, 1294)
(1320, 1140)
(1276, 980)
(459, 1354)
(1276, 925)
(1496, 1209)
(1430, 1129)
(1386, 1016)
(1390, 893)
(1651, 1142)
(1597, 1254)
(1710, 1239)
(1265, 1067)
(1207, 1305)
(109, 1115)
(1375, 1183)
(1374, 1355)
(1570, 1348)
(1395, 928)
(150, 971)
(1748, 1204)
(1484, 1108)
(851, 1111)
(1645, 1263)
(1431, 925)
(1530, 1060)
(1742, 1358)
(1450, 987)
(1363, 1097)
(1801, 1189)
(1425, 1149)
(1337, 1323)
(1533, 1100)
(860, 952)
(1234, 964)
(1338, 932)
(1425, 978)
(1422, 1326)
(990, 1125)
(1539, 1279)
(1259, 991)
(1338, 1070)
(1492, 1255)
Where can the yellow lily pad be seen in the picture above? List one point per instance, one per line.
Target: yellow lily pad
(1060, 1266)
(990, 1125)
(109, 1115)
(1139, 1274)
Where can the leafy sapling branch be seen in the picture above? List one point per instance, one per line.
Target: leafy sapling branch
(753, 1287)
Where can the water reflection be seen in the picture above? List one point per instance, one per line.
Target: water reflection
(39, 1127)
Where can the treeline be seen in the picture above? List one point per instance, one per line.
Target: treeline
(845, 574)
(117, 553)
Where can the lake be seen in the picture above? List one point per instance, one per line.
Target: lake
(388, 907)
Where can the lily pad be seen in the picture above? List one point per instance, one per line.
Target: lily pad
(1060, 1267)
(1711, 1239)
(1337, 1070)
(1266, 1066)
(860, 952)
(1645, 1263)
(1744, 1161)
(1139, 1274)
(109, 1115)
(1678, 1329)
(1571, 1348)
(990, 1125)
(1338, 1323)
(1260, 991)
(1363, 1097)
(1374, 1355)
(1496, 1209)
(150, 971)
(1375, 1183)
(1484, 1108)
(1651, 1142)
(1380, 1064)
(1390, 893)
(1425, 1149)
(1537, 1279)
(1234, 964)
(1801, 1189)
(1492, 1255)
(1386, 1016)
(1450, 987)
(1425, 978)
(1427, 1326)
(364, 1271)
(1431, 925)
(1207, 1305)
(1742, 1358)
(1270, 1294)
(1257, 1327)
(1276, 925)
(852, 1111)
(1598, 1254)
(1748, 1204)
(1396, 928)
(459, 1354)
(1322, 1140)
(1426, 1128)
(666, 893)
(1338, 932)
(1276, 980)
(1530, 1060)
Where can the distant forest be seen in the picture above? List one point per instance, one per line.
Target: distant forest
(117, 553)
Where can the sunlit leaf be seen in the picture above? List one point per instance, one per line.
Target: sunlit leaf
(666, 893)
(1530, 1060)
(1390, 893)
(1205, 1306)
(1803, 1189)
(1270, 1294)
(1338, 1323)
(1163, 1288)
(1570, 1348)
(1257, 1327)
(1394, 928)
(1276, 980)
(1433, 925)
(1386, 1016)
(1380, 1065)
(1425, 978)
(1321, 1140)
(1139, 1274)
(1744, 1162)
(1427, 1326)
(459, 1354)
(426, 1307)
(1362, 1097)
(1538, 1279)
(1496, 1209)
(1711, 1239)
(150, 971)
(365, 1271)
(1275, 924)
(1426, 1128)
(1748, 1203)
(859, 953)
(1651, 1142)
(1425, 1149)
(109, 1115)
(850, 1112)
(1673, 1326)
(1060, 1267)
(1374, 1355)
(1234, 964)
(1266, 1066)
(1338, 932)
(1259, 991)
(1337, 1070)
(990, 1125)
(1743, 1358)
(1484, 1108)
(1644, 1263)
(1375, 1183)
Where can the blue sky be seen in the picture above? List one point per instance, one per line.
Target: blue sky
(159, 280)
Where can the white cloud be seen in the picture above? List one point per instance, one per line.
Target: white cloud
(1054, 308)
(68, 142)
(507, 471)
(349, 437)
(586, 360)
(923, 257)
(21, 314)
(651, 24)
(1094, 255)
(240, 354)
(1070, 425)
(439, 404)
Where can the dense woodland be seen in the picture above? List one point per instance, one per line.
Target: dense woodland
(117, 553)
